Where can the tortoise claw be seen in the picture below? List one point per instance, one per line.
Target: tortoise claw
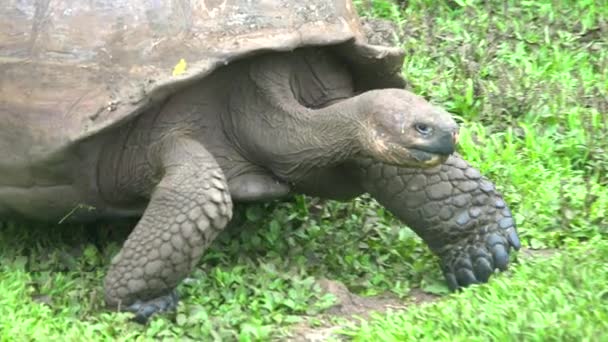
(143, 310)
(474, 263)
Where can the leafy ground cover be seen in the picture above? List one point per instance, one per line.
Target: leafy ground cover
(528, 81)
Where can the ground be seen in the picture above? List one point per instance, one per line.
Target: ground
(527, 80)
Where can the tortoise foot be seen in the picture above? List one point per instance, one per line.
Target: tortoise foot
(143, 310)
(474, 261)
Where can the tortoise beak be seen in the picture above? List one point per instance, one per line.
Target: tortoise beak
(443, 143)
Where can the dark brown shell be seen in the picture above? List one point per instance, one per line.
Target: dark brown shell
(71, 68)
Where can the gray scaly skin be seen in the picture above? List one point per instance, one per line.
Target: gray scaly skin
(285, 123)
(188, 208)
(455, 210)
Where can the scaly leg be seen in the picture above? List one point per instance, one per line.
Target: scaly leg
(187, 209)
(455, 210)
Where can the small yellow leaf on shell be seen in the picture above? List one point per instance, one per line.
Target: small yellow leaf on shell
(180, 67)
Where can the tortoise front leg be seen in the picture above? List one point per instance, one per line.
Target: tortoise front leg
(187, 209)
(455, 210)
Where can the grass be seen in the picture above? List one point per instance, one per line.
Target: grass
(560, 298)
(528, 80)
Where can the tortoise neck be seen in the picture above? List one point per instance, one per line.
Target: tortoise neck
(290, 139)
(326, 136)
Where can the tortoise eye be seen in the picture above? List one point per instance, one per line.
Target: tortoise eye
(423, 129)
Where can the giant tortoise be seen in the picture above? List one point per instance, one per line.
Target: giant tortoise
(174, 110)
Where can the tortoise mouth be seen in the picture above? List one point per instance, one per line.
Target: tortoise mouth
(402, 154)
(427, 158)
(413, 157)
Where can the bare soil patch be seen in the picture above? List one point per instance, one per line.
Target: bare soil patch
(352, 306)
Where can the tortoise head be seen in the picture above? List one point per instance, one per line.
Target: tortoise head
(403, 129)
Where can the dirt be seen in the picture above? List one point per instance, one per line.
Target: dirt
(537, 253)
(351, 306)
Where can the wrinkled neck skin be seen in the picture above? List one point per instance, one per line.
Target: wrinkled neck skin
(267, 123)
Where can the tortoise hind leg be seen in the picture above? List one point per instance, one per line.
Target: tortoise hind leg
(256, 186)
(187, 209)
(455, 210)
